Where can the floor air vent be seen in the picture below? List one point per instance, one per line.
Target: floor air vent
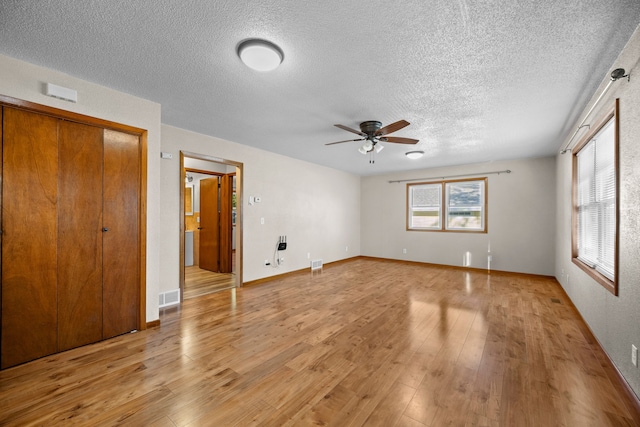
(316, 264)
(169, 298)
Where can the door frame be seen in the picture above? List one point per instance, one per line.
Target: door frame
(142, 200)
(221, 176)
(239, 194)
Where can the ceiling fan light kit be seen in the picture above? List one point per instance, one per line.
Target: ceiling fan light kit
(260, 55)
(414, 154)
(372, 133)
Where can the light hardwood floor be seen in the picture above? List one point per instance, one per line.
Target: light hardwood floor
(364, 342)
(198, 282)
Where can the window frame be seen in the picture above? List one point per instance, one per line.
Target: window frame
(612, 116)
(443, 207)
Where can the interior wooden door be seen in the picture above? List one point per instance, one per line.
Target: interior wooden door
(29, 236)
(209, 225)
(226, 223)
(79, 235)
(121, 246)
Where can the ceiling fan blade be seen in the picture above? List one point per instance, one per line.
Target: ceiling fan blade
(400, 140)
(347, 140)
(343, 127)
(392, 127)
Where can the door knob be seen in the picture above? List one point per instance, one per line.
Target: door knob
(105, 229)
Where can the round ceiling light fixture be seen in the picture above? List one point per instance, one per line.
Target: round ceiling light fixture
(260, 55)
(414, 154)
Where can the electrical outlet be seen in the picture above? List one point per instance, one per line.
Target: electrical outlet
(634, 355)
(346, 248)
(308, 255)
(404, 251)
(262, 221)
(266, 262)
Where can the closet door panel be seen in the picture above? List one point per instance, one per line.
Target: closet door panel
(121, 249)
(29, 247)
(79, 235)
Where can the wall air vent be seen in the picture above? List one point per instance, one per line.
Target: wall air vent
(169, 298)
(60, 92)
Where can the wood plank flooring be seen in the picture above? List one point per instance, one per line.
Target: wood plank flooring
(198, 282)
(362, 343)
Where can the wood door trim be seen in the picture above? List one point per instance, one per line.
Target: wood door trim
(204, 172)
(143, 144)
(68, 115)
(142, 232)
(226, 224)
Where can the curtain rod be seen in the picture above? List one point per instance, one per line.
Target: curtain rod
(616, 74)
(450, 176)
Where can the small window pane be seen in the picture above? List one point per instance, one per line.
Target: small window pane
(425, 206)
(465, 205)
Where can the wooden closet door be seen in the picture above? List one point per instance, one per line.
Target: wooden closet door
(79, 235)
(121, 246)
(29, 236)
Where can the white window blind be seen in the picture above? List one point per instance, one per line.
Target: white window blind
(424, 210)
(596, 202)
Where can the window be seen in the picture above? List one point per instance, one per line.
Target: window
(447, 206)
(595, 211)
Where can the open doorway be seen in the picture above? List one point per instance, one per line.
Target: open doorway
(210, 224)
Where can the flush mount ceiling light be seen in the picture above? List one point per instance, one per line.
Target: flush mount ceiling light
(414, 154)
(260, 55)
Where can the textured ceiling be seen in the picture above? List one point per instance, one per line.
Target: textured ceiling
(478, 80)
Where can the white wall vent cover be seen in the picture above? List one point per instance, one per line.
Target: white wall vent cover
(60, 92)
(169, 298)
(316, 264)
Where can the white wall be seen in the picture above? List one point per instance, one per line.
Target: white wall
(25, 81)
(521, 222)
(615, 320)
(316, 207)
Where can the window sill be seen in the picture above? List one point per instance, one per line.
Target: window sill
(439, 230)
(597, 276)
